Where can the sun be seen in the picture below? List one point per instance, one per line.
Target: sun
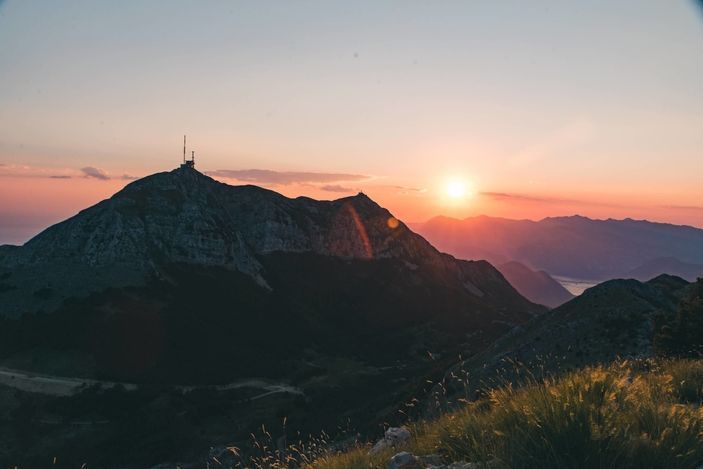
(455, 189)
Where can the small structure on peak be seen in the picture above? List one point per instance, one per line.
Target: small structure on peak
(187, 164)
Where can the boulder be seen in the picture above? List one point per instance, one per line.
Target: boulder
(394, 437)
(405, 460)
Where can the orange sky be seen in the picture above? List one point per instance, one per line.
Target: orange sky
(31, 203)
(558, 108)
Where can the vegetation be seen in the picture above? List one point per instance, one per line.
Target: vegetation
(630, 414)
(680, 333)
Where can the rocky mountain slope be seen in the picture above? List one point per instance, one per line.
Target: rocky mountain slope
(183, 216)
(538, 287)
(575, 247)
(615, 319)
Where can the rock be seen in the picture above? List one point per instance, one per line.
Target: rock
(404, 460)
(393, 437)
(431, 460)
(466, 465)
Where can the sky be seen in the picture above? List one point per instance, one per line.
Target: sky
(459, 108)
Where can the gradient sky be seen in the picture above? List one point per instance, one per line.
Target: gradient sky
(543, 108)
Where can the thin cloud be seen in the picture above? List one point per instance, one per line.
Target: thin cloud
(520, 197)
(89, 172)
(24, 171)
(336, 188)
(97, 173)
(267, 176)
(410, 190)
(684, 207)
(512, 197)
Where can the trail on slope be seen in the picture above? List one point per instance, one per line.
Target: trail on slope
(65, 386)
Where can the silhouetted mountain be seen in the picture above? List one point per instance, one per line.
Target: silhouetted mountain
(183, 216)
(669, 265)
(178, 278)
(615, 319)
(537, 287)
(575, 247)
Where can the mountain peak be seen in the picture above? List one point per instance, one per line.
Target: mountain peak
(186, 217)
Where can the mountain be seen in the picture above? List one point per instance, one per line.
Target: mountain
(574, 247)
(538, 287)
(615, 319)
(179, 282)
(670, 265)
(186, 217)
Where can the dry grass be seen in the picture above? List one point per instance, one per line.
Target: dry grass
(626, 415)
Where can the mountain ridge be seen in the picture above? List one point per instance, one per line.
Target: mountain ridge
(576, 247)
(185, 216)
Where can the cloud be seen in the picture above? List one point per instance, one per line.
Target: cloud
(684, 207)
(512, 197)
(336, 188)
(25, 171)
(520, 197)
(97, 173)
(267, 176)
(410, 190)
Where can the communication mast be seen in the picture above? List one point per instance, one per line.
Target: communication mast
(189, 164)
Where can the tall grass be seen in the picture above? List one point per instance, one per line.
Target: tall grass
(631, 414)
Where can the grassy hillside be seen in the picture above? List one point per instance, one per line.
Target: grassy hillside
(630, 414)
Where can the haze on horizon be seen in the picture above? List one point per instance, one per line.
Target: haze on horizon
(460, 109)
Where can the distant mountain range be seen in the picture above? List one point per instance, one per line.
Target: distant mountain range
(182, 279)
(575, 247)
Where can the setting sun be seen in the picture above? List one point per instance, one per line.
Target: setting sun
(456, 189)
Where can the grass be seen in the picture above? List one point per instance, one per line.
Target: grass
(630, 414)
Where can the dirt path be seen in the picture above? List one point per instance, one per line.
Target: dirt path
(63, 386)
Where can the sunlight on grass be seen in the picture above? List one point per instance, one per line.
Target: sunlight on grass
(626, 415)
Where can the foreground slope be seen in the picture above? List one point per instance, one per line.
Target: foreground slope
(622, 415)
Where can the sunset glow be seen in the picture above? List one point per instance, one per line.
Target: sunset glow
(590, 127)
